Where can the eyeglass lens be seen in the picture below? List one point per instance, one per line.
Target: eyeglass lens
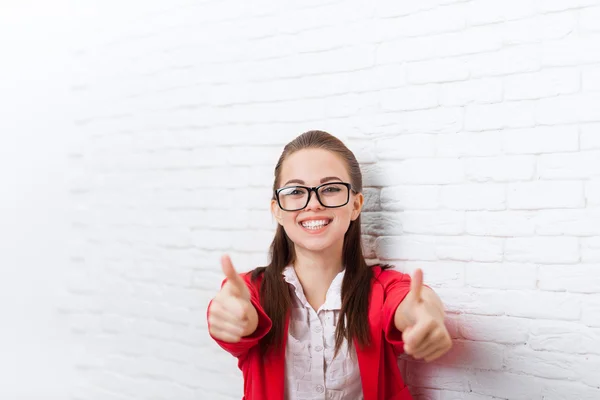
(329, 195)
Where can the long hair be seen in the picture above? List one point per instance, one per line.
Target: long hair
(275, 297)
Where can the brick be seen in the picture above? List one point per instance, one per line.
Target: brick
(542, 305)
(505, 385)
(469, 248)
(592, 192)
(436, 20)
(507, 330)
(444, 70)
(253, 155)
(472, 301)
(555, 390)
(543, 364)
(511, 60)
(424, 171)
(406, 146)
(213, 239)
(469, 354)
(590, 249)
(433, 222)
(591, 310)
(500, 169)
(499, 116)
(588, 18)
(261, 219)
(540, 28)
(569, 166)
(582, 222)
(472, 91)
(500, 223)
(445, 377)
(372, 202)
(556, 336)
(410, 197)
(570, 51)
(545, 194)
(382, 223)
(406, 247)
(582, 278)
(557, 5)
(590, 136)
(438, 273)
(590, 77)
(364, 150)
(473, 196)
(540, 140)
(438, 120)
(393, 9)
(482, 12)
(409, 98)
(545, 83)
(546, 250)
(501, 275)
(479, 144)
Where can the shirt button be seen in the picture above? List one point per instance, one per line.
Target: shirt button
(317, 329)
(318, 348)
(319, 389)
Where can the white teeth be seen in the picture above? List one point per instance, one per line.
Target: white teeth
(314, 224)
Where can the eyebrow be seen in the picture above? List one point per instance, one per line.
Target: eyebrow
(323, 180)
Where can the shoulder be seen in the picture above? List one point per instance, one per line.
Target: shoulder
(385, 275)
(254, 277)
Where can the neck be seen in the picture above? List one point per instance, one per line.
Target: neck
(316, 271)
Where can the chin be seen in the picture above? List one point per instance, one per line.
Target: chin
(316, 244)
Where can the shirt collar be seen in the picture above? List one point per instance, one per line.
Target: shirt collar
(333, 298)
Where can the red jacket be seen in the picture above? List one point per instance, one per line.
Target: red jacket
(264, 375)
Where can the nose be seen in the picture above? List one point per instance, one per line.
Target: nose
(313, 202)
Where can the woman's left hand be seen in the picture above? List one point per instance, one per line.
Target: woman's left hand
(420, 318)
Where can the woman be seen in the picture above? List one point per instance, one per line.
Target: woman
(318, 322)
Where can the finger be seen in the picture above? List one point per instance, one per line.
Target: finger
(226, 326)
(424, 346)
(416, 283)
(415, 336)
(231, 309)
(437, 354)
(436, 341)
(433, 339)
(232, 276)
(225, 336)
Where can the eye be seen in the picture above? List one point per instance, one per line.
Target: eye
(292, 191)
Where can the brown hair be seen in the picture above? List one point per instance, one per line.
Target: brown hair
(274, 293)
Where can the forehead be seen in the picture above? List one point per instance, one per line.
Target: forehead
(310, 165)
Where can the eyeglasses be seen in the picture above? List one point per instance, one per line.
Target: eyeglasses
(330, 195)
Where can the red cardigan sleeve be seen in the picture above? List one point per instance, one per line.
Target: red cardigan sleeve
(240, 348)
(396, 287)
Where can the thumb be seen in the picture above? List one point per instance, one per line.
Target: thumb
(232, 276)
(416, 283)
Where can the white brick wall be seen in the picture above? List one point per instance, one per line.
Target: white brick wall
(477, 124)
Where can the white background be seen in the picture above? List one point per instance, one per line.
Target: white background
(138, 140)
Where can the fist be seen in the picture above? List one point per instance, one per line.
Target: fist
(425, 335)
(231, 315)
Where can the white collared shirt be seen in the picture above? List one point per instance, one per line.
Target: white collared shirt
(311, 372)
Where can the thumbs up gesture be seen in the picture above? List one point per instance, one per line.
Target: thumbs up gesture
(420, 318)
(231, 315)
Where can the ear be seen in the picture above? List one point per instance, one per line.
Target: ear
(276, 211)
(357, 204)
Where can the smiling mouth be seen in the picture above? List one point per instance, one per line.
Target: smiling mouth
(314, 225)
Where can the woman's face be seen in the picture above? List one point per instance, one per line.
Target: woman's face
(316, 228)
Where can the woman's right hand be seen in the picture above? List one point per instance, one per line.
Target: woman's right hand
(231, 315)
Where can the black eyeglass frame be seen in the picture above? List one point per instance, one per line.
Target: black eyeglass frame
(316, 190)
